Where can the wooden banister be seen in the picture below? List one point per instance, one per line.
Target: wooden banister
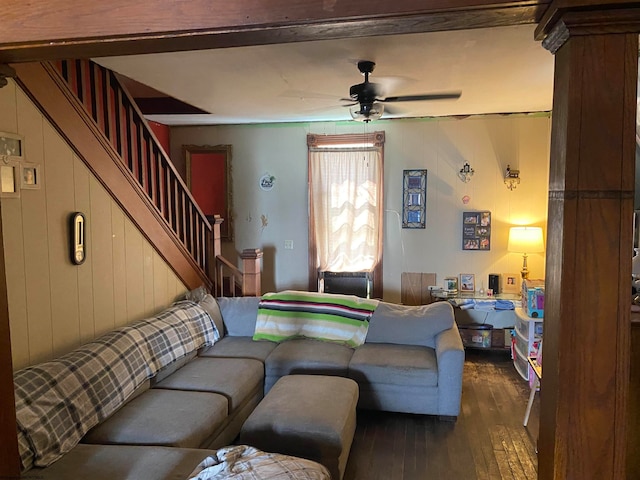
(102, 104)
(248, 280)
(117, 116)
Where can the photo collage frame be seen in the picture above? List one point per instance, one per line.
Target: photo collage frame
(15, 172)
(476, 230)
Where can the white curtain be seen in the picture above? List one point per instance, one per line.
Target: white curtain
(346, 201)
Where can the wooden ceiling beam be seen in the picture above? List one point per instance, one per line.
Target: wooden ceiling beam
(74, 29)
(589, 17)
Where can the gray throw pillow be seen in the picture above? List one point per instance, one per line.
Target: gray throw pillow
(196, 295)
(239, 315)
(209, 304)
(409, 325)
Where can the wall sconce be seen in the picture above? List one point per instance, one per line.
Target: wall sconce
(466, 172)
(511, 178)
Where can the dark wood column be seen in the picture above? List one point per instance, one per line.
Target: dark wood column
(633, 437)
(9, 459)
(587, 313)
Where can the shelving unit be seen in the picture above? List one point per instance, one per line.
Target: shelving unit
(528, 333)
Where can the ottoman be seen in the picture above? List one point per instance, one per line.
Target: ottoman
(308, 416)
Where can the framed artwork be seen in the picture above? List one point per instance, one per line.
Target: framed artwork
(414, 198)
(451, 284)
(30, 176)
(510, 282)
(10, 179)
(476, 230)
(11, 147)
(467, 282)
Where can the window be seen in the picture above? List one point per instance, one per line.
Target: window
(346, 205)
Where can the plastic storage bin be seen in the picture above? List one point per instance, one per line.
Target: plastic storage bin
(476, 336)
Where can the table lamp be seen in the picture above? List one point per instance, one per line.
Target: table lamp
(525, 240)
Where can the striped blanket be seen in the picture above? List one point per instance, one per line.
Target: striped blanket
(321, 316)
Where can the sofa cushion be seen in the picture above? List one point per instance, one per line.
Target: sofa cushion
(409, 325)
(239, 315)
(176, 365)
(210, 305)
(308, 356)
(172, 418)
(407, 365)
(123, 462)
(244, 347)
(235, 378)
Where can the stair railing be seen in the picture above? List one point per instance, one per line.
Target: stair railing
(229, 280)
(118, 117)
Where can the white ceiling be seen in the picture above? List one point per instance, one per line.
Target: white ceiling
(498, 70)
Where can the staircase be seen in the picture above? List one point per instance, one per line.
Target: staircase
(91, 109)
(97, 116)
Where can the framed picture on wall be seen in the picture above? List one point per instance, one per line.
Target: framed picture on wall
(414, 198)
(30, 176)
(476, 230)
(10, 179)
(11, 147)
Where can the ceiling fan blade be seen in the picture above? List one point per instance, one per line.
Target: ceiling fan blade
(392, 110)
(417, 98)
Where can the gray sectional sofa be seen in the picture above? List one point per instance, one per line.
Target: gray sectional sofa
(411, 361)
(196, 392)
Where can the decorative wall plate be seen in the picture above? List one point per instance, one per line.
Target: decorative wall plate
(267, 181)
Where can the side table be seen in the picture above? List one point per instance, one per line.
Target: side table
(490, 328)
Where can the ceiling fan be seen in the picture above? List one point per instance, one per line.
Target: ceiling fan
(366, 104)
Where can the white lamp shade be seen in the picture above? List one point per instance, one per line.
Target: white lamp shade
(525, 240)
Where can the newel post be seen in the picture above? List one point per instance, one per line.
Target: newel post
(215, 226)
(214, 248)
(251, 276)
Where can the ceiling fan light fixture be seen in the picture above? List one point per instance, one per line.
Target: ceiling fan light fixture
(366, 112)
(369, 98)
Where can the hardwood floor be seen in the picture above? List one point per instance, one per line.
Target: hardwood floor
(488, 441)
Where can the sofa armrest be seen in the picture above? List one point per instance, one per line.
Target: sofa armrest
(450, 356)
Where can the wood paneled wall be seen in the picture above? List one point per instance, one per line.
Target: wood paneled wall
(53, 305)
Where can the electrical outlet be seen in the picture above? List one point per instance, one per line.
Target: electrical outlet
(288, 244)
